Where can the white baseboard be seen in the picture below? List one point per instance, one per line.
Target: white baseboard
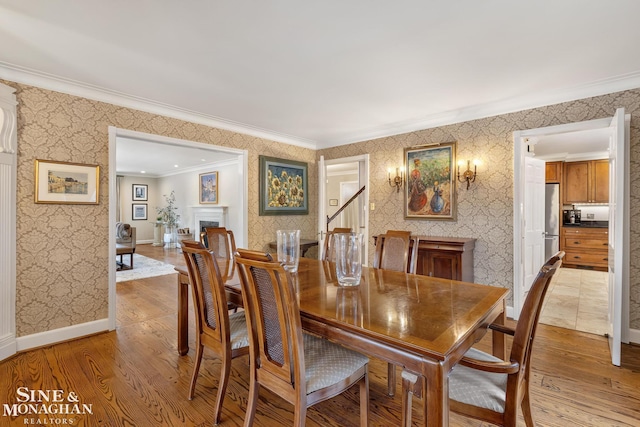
(7, 346)
(62, 334)
(144, 242)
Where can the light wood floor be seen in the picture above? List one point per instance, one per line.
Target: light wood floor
(134, 376)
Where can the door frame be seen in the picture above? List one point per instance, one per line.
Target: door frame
(520, 144)
(363, 177)
(114, 133)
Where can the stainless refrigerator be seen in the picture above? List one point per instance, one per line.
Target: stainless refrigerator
(552, 220)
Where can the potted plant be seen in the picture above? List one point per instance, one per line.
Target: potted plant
(170, 219)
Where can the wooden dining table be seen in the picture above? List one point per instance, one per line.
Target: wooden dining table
(420, 323)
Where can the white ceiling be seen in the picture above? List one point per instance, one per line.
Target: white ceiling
(156, 159)
(320, 74)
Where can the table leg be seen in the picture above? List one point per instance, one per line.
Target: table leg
(183, 314)
(436, 400)
(497, 338)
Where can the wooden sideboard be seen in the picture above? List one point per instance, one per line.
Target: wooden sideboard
(445, 257)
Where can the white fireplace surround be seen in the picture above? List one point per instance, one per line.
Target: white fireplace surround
(209, 213)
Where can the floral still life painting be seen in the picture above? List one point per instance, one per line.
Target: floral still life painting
(283, 187)
(430, 191)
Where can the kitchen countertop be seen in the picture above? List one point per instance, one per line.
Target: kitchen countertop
(589, 224)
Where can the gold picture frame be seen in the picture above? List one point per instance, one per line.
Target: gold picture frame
(430, 192)
(66, 183)
(208, 183)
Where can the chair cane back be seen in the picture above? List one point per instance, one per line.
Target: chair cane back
(223, 244)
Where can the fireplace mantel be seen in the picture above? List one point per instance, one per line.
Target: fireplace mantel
(209, 213)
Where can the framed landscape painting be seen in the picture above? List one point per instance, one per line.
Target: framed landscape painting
(283, 187)
(66, 183)
(430, 191)
(209, 188)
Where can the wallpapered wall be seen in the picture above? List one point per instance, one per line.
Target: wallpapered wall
(62, 250)
(485, 211)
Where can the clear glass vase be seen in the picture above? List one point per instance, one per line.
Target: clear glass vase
(171, 236)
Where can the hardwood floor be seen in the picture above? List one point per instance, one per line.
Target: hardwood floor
(134, 376)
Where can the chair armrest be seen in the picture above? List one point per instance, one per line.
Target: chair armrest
(503, 329)
(494, 367)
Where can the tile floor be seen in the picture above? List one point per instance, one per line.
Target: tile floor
(578, 300)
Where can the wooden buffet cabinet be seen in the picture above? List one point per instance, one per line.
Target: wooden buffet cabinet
(445, 257)
(585, 247)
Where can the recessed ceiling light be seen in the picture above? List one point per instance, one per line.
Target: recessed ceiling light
(203, 160)
(143, 171)
(175, 166)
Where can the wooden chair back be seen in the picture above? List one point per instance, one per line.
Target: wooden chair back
(271, 306)
(226, 336)
(396, 250)
(277, 344)
(223, 244)
(329, 252)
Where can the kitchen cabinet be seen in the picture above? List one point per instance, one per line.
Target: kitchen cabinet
(553, 172)
(585, 247)
(585, 182)
(445, 257)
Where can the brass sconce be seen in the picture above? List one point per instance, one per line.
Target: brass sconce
(397, 181)
(468, 175)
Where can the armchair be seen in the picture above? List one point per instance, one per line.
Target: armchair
(125, 244)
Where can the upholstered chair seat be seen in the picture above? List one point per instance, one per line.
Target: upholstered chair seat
(478, 388)
(327, 364)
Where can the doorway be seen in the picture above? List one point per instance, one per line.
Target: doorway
(240, 171)
(337, 178)
(617, 128)
(578, 295)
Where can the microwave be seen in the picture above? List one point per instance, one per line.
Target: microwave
(571, 216)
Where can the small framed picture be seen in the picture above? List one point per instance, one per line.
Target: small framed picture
(139, 211)
(139, 192)
(66, 183)
(333, 202)
(209, 188)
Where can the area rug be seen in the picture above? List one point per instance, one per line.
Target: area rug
(144, 267)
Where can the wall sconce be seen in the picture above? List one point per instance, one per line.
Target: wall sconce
(398, 180)
(468, 175)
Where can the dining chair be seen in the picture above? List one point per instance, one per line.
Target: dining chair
(396, 250)
(301, 368)
(329, 249)
(223, 244)
(223, 333)
(485, 387)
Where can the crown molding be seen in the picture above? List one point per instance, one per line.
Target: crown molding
(601, 87)
(511, 105)
(72, 87)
